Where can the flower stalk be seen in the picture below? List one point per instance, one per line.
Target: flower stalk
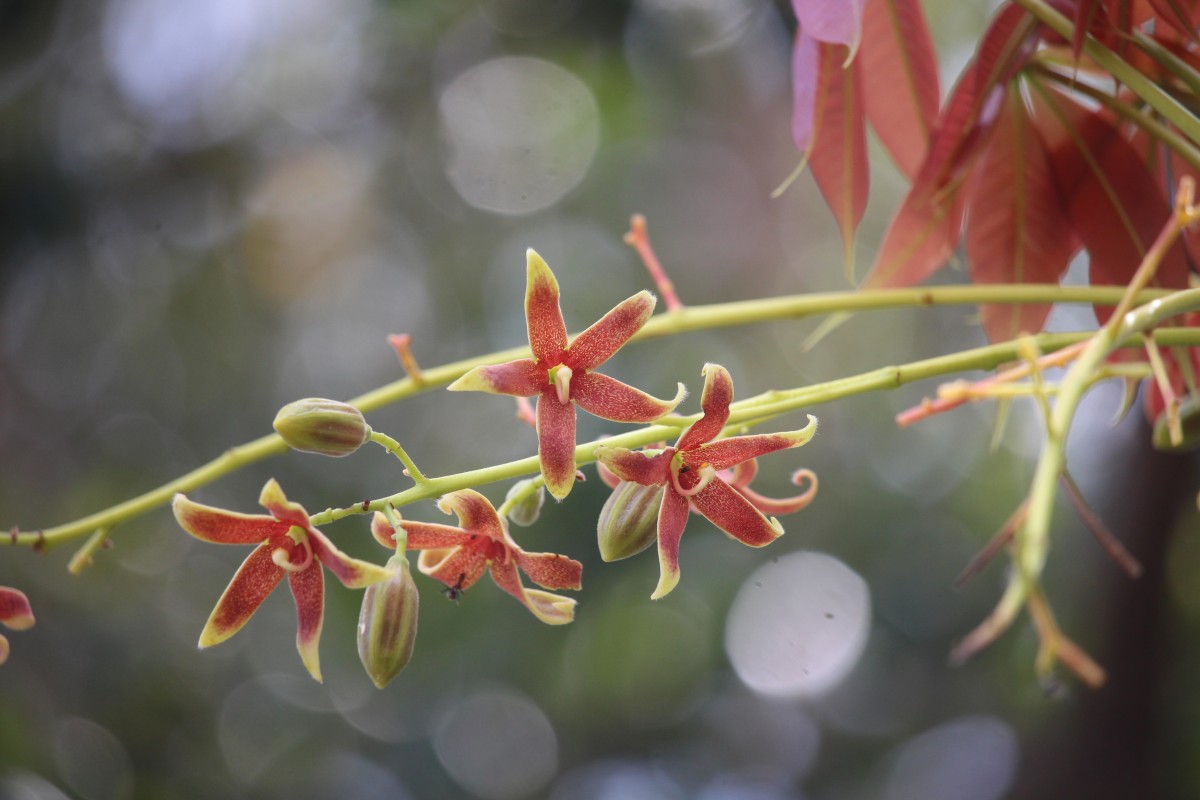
(691, 318)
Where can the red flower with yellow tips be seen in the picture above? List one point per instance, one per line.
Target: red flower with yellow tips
(560, 374)
(458, 556)
(287, 544)
(691, 474)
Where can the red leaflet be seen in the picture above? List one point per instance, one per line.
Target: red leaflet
(832, 21)
(1180, 15)
(804, 90)
(1085, 13)
(1016, 226)
(924, 231)
(899, 72)
(1113, 201)
(839, 148)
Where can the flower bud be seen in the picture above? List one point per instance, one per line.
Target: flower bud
(629, 520)
(326, 427)
(526, 512)
(387, 624)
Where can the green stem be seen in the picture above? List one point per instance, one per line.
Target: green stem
(690, 318)
(1033, 540)
(393, 447)
(401, 535)
(750, 411)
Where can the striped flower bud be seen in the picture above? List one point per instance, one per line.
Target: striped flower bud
(387, 624)
(325, 427)
(527, 511)
(629, 520)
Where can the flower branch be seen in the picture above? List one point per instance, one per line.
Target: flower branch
(690, 318)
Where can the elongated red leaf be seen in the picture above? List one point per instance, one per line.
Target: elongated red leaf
(922, 235)
(831, 21)
(900, 79)
(839, 150)
(1017, 230)
(1085, 13)
(1114, 202)
(804, 90)
(1179, 15)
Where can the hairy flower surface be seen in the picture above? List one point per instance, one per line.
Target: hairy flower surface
(458, 556)
(287, 544)
(691, 473)
(15, 614)
(560, 374)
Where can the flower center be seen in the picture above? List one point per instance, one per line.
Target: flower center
(283, 558)
(707, 473)
(560, 376)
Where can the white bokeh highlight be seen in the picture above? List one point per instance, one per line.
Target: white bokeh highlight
(798, 625)
(520, 133)
(497, 744)
(970, 758)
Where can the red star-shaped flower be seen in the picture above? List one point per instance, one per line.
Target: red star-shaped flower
(15, 614)
(560, 374)
(288, 544)
(458, 556)
(690, 473)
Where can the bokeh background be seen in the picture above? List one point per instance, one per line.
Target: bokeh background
(209, 208)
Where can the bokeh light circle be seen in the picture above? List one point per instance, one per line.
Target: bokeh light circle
(497, 744)
(970, 758)
(520, 134)
(798, 625)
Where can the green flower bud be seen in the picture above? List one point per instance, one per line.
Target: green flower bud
(387, 624)
(325, 427)
(1189, 422)
(629, 520)
(526, 512)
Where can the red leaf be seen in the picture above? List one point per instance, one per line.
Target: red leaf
(1084, 16)
(900, 79)
(1017, 230)
(804, 90)
(831, 21)
(1004, 48)
(1179, 15)
(839, 149)
(1114, 203)
(923, 233)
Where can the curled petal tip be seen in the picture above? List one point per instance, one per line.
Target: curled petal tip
(271, 493)
(666, 583)
(805, 434)
(681, 393)
(550, 608)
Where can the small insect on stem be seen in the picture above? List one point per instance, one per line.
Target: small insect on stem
(456, 591)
